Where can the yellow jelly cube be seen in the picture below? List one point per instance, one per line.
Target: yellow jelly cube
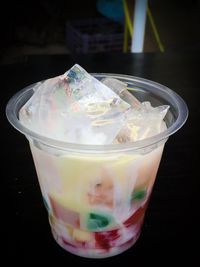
(81, 236)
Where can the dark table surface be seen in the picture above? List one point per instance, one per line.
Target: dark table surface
(171, 227)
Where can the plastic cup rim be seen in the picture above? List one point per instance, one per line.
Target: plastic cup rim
(141, 144)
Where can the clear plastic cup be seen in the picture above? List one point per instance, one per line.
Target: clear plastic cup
(96, 196)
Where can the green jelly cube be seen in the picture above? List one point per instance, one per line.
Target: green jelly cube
(138, 195)
(96, 221)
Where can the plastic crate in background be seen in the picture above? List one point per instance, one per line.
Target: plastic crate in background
(94, 35)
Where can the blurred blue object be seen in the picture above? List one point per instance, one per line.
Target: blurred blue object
(112, 9)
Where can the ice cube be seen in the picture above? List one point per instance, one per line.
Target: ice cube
(142, 123)
(75, 107)
(120, 88)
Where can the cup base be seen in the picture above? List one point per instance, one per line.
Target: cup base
(94, 253)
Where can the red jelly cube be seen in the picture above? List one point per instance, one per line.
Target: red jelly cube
(105, 239)
(136, 217)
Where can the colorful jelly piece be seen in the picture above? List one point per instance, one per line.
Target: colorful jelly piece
(106, 239)
(69, 230)
(64, 214)
(98, 221)
(138, 195)
(81, 236)
(102, 192)
(136, 217)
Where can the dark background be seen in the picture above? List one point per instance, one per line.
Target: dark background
(39, 27)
